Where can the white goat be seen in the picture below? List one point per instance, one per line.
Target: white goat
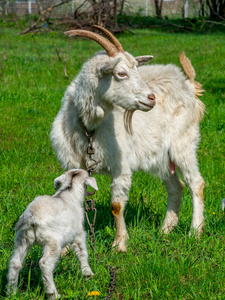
(107, 90)
(53, 222)
(223, 204)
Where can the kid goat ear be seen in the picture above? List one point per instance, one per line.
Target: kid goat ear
(91, 181)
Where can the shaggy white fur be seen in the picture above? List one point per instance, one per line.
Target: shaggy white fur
(164, 137)
(53, 222)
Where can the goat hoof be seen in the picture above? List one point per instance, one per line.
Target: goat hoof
(196, 233)
(119, 246)
(165, 230)
(88, 277)
(53, 296)
(64, 251)
(87, 273)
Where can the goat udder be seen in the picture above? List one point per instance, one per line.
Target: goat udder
(172, 166)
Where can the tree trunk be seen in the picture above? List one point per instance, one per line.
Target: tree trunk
(222, 9)
(114, 8)
(4, 8)
(121, 7)
(185, 8)
(158, 8)
(202, 9)
(217, 8)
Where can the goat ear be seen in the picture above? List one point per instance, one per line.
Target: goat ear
(142, 60)
(59, 181)
(92, 182)
(71, 173)
(109, 66)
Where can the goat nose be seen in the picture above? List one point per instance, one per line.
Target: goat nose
(151, 98)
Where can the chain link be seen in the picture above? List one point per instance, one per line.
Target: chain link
(112, 285)
(89, 203)
(91, 225)
(90, 206)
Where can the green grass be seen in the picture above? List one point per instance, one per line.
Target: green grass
(32, 83)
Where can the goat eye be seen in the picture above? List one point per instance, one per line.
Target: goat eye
(122, 74)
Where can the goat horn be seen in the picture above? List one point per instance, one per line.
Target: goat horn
(111, 37)
(107, 45)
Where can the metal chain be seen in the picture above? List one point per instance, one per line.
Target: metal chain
(91, 225)
(112, 284)
(89, 203)
(90, 206)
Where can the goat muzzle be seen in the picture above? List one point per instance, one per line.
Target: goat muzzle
(151, 98)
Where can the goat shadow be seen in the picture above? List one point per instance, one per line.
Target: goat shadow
(135, 213)
(3, 276)
(30, 275)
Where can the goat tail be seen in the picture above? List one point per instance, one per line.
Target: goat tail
(25, 222)
(189, 71)
(20, 223)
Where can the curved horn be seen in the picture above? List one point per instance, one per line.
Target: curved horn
(111, 37)
(107, 45)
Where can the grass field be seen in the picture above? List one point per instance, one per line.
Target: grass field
(32, 83)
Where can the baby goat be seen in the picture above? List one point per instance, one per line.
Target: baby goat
(53, 222)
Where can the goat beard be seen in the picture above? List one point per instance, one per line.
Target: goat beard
(127, 117)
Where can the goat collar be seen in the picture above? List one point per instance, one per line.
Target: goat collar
(86, 132)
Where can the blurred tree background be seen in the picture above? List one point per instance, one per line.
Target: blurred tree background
(116, 15)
